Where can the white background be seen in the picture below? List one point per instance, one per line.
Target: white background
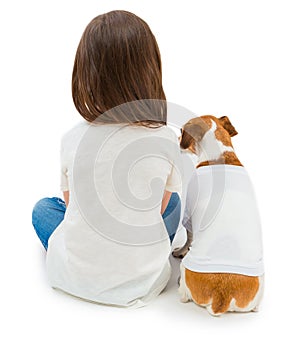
(235, 58)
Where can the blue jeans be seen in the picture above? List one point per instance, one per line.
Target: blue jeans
(48, 213)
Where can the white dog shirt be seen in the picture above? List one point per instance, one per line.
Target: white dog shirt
(221, 212)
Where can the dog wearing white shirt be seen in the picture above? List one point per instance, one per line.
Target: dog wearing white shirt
(222, 268)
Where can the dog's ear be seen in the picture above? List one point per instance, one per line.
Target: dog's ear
(186, 139)
(226, 124)
(192, 132)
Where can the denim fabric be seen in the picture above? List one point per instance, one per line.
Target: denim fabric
(171, 215)
(48, 213)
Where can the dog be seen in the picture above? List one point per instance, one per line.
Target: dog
(222, 268)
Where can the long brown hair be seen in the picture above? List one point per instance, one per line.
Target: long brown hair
(118, 62)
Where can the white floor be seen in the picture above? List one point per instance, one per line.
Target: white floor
(34, 313)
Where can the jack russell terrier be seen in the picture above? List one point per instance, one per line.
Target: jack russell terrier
(222, 268)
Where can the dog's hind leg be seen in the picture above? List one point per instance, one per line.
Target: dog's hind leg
(184, 292)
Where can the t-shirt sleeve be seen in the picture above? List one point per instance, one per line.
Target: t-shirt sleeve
(64, 183)
(174, 179)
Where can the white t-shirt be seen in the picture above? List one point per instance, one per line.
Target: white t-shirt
(112, 246)
(221, 212)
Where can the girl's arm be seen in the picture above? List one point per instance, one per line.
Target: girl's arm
(66, 197)
(165, 201)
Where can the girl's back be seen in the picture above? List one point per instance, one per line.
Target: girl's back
(112, 246)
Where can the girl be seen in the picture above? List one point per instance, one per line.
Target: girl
(107, 241)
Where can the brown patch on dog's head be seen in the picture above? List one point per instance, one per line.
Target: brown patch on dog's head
(193, 131)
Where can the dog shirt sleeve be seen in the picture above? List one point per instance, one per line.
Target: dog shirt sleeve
(192, 194)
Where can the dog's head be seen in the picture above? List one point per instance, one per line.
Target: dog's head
(195, 129)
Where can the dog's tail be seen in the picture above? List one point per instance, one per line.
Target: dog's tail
(220, 302)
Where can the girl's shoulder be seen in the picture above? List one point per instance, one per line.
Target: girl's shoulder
(74, 134)
(166, 131)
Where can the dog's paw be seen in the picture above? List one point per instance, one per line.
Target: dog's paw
(184, 298)
(180, 252)
(184, 295)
